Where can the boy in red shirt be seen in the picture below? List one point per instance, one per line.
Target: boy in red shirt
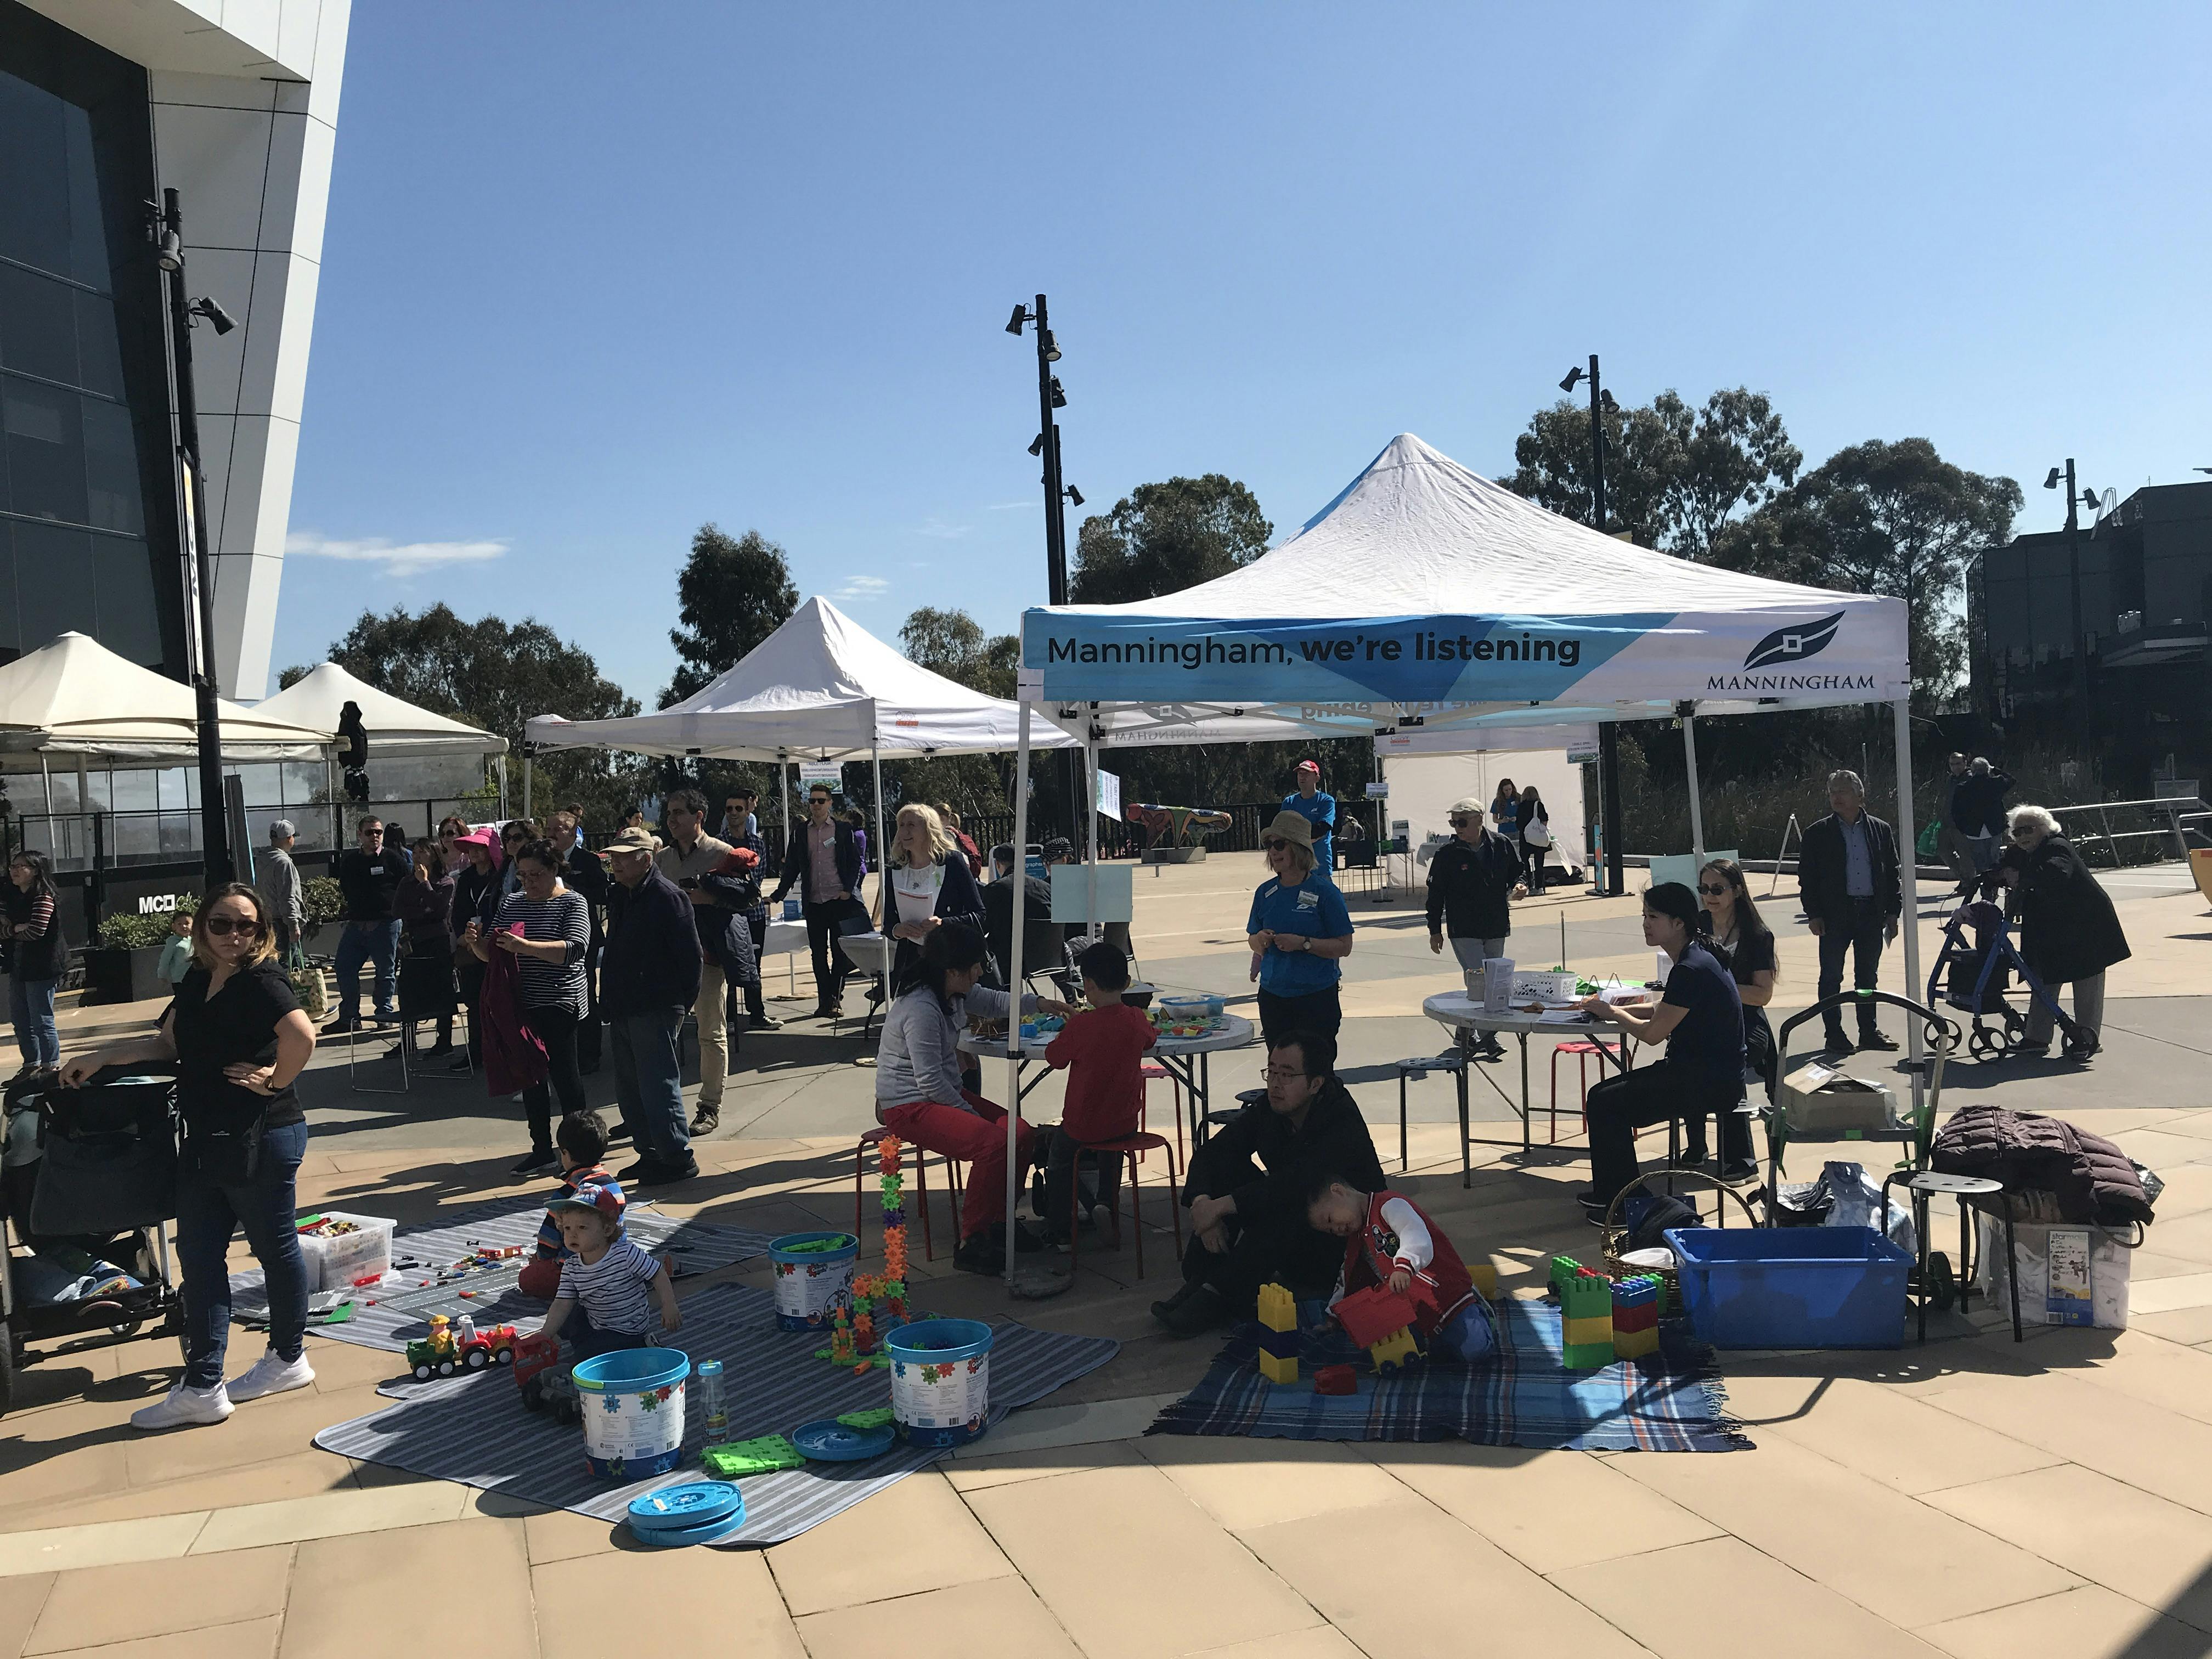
(1102, 1049)
(1390, 1241)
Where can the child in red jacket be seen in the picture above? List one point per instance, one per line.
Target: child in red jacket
(1102, 1050)
(1390, 1241)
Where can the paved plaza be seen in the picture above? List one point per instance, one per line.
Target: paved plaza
(1970, 1497)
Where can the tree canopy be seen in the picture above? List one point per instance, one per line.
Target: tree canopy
(731, 595)
(1162, 538)
(953, 644)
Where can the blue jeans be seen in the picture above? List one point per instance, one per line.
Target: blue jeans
(585, 1341)
(1466, 1335)
(207, 1215)
(375, 943)
(648, 1056)
(30, 1003)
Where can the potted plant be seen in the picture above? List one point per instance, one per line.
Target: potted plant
(121, 966)
(321, 903)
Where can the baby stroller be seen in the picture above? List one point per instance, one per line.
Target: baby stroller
(90, 1182)
(1975, 968)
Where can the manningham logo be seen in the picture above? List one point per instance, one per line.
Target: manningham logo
(1795, 642)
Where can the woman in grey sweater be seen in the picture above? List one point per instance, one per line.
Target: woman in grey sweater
(920, 1096)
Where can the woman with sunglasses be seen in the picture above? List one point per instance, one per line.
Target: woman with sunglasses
(237, 1038)
(1300, 929)
(2069, 932)
(1746, 943)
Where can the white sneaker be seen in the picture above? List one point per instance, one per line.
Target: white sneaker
(269, 1374)
(183, 1408)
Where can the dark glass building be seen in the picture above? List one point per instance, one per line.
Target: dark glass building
(89, 538)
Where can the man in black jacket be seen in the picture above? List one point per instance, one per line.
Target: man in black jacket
(649, 967)
(585, 874)
(1851, 888)
(369, 875)
(1043, 939)
(1472, 881)
(825, 861)
(1248, 1223)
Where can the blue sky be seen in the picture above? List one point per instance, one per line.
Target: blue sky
(595, 275)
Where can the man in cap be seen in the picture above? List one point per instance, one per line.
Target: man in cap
(278, 878)
(1318, 809)
(649, 972)
(1472, 879)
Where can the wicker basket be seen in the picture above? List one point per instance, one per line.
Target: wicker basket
(1616, 1235)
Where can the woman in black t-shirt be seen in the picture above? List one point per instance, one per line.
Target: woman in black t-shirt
(1747, 944)
(237, 1039)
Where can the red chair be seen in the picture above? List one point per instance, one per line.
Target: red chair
(1127, 1150)
(1583, 1050)
(1150, 1070)
(920, 1186)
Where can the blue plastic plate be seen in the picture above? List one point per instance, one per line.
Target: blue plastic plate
(706, 1532)
(829, 1441)
(687, 1505)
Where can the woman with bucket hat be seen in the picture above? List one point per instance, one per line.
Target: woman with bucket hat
(1300, 930)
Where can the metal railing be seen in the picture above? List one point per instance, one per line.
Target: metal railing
(2179, 812)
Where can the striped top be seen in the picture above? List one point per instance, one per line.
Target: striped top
(564, 916)
(612, 1288)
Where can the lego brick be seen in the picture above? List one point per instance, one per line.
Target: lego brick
(1586, 1356)
(1585, 1297)
(1336, 1379)
(1397, 1350)
(1278, 1309)
(1284, 1345)
(1564, 1267)
(1594, 1329)
(1634, 1345)
(1644, 1318)
(1485, 1280)
(1276, 1369)
(1633, 1292)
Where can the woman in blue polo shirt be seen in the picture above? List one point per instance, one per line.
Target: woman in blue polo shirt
(1300, 930)
(1318, 809)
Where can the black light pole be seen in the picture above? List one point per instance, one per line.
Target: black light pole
(166, 232)
(1608, 732)
(2075, 500)
(1057, 493)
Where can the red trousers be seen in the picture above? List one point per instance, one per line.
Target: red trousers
(977, 1134)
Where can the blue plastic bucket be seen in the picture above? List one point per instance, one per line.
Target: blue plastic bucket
(941, 1380)
(813, 1277)
(633, 1407)
(1792, 1287)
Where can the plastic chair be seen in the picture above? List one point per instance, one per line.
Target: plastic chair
(1583, 1048)
(1150, 1070)
(867, 1141)
(1421, 1065)
(1129, 1150)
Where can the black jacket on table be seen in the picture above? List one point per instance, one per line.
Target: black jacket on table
(1824, 871)
(1333, 1140)
(370, 884)
(650, 961)
(2068, 927)
(1471, 888)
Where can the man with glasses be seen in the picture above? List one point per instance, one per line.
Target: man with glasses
(1850, 886)
(824, 860)
(1248, 1185)
(369, 874)
(1472, 880)
(702, 867)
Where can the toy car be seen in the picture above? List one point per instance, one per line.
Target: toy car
(544, 1382)
(447, 1350)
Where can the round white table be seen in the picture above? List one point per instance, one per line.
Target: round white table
(1185, 1059)
(1465, 1015)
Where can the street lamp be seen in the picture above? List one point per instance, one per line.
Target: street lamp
(1608, 733)
(2075, 502)
(165, 229)
(1057, 491)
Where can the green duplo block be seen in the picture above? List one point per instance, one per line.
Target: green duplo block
(1564, 1267)
(1586, 1299)
(1586, 1356)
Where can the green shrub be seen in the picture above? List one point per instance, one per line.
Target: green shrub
(135, 932)
(320, 900)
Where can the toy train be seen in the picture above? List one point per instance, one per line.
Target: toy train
(449, 1348)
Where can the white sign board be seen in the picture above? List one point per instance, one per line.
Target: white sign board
(1109, 796)
(1379, 791)
(830, 772)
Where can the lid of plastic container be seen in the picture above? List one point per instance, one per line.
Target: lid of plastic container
(706, 1532)
(687, 1504)
(830, 1441)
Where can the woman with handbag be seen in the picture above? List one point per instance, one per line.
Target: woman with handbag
(237, 1039)
(1534, 822)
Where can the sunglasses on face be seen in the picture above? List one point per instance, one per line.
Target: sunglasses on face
(1273, 845)
(1707, 887)
(224, 926)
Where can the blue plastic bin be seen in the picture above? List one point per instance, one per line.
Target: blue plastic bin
(1792, 1287)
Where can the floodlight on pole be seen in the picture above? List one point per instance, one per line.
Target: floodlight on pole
(1574, 378)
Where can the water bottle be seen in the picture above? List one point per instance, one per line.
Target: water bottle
(710, 1385)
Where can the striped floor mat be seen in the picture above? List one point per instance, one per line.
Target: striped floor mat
(474, 1429)
(395, 1313)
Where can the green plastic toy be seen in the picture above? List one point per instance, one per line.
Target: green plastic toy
(742, 1458)
(880, 1417)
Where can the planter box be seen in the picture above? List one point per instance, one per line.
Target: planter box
(123, 975)
(1174, 856)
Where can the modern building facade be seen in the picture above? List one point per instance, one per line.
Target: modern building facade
(2146, 581)
(103, 105)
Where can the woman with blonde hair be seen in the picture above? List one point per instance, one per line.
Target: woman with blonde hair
(925, 883)
(237, 1039)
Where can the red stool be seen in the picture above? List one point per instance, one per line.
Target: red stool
(1582, 1049)
(1127, 1150)
(920, 1186)
(1150, 1070)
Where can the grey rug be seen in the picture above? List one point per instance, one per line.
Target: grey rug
(395, 1313)
(474, 1429)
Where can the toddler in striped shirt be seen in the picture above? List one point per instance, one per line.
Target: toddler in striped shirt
(602, 1304)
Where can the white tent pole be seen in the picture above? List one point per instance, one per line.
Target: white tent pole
(783, 799)
(525, 786)
(1014, 976)
(1908, 864)
(46, 773)
(502, 787)
(1690, 754)
(883, 881)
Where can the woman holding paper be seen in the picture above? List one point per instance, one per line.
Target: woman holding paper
(926, 885)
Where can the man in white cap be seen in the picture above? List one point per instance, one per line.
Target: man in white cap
(278, 878)
(1472, 879)
(1319, 810)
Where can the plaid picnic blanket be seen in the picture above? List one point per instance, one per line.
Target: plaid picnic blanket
(1520, 1395)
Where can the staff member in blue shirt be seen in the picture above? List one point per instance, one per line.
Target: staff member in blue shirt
(1300, 930)
(1318, 809)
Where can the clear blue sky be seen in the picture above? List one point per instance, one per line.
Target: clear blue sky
(595, 275)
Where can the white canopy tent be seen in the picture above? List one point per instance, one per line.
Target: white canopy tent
(397, 730)
(1426, 596)
(75, 700)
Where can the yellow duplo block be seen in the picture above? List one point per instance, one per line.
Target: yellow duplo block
(1393, 1352)
(1598, 1328)
(1278, 1309)
(1278, 1370)
(1634, 1345)
(1485, 1276)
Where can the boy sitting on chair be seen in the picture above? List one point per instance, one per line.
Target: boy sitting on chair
(1390, 1241)
(607, 1278)
(1102, 1050)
